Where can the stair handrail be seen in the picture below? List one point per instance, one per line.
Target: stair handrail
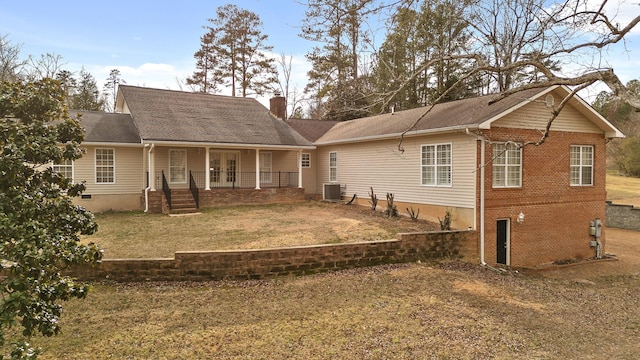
(194, 190)
(166, 189)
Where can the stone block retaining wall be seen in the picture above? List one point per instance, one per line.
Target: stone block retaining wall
(267, 263)
(623, 216)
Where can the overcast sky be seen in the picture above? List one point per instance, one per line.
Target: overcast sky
(152, 42)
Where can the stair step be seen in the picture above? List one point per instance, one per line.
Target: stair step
(183, 211)
(182, 202)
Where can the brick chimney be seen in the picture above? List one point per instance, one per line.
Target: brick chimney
(278, 106)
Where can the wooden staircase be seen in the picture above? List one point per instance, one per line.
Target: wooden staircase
(182, 202)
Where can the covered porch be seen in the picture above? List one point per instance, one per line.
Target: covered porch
(186, 178)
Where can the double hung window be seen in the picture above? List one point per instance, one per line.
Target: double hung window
(305, 161)
(507, 165)
(265, 168)
(64, 168)
(333, 166)
(436, 166)
(105, 161)
(581, 168)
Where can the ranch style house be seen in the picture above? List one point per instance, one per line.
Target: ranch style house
(170, 151)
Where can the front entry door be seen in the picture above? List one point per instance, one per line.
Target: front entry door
(502, 242)
(223, 167)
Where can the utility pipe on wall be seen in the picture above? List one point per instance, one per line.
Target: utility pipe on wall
(482, 160)
(146, 190)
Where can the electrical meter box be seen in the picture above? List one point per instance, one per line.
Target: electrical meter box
(595, 227)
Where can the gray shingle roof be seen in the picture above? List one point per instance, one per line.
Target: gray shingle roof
(312, 130)
(167, 115)
(444, 116)
(108, 127)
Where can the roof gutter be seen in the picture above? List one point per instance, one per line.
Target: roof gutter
(228, 145)
(111, 144)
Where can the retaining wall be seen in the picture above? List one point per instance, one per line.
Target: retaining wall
(623, 216)
(266, 263)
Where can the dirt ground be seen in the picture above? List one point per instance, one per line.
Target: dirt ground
(623, 245)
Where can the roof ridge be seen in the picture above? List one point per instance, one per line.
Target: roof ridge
(190, 93)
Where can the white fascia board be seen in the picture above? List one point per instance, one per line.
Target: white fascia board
(111, 144)
(394, 136)
(228, 146)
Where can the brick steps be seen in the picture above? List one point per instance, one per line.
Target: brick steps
(182, 202)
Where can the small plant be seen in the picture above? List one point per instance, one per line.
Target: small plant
(391, 210)
(373, 199)
(445, 223)
(413, 214)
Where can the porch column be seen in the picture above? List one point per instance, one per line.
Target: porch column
(300, 169)
(257, 169)
(207, 170)
(152, 168)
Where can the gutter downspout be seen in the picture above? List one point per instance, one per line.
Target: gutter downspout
(146, 190)
(482, 160)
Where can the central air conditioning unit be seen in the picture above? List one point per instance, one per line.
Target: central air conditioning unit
(331, 192)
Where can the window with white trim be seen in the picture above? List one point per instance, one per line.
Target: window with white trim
(265, 168)
(177, 166)
(65, 168)
(507, 165)
(333, 166)
(105, 161)
(435, 168)
(581, 169)
(305, 160)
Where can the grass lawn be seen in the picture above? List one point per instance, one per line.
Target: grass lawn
(412, 311)
(139, 235)
(623, 189)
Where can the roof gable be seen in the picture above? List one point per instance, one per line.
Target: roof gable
(312, 130)
(576, 108)
(168, 115)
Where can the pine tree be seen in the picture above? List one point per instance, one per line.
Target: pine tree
(232, 54)
(335, 75)
(86, 95)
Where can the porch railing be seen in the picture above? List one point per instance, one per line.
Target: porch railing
(194, 189)
(166, 189)
(238, 179)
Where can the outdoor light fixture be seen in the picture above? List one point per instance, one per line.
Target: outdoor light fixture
(520, 218)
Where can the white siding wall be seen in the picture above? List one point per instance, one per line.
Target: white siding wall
(381, 165)
(129, 171)
(535, 115)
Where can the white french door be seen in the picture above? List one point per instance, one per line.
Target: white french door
(223, 168)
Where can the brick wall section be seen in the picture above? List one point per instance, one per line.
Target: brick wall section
(623, 216)
(268, 263)
(233, 197)
(557, 215)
